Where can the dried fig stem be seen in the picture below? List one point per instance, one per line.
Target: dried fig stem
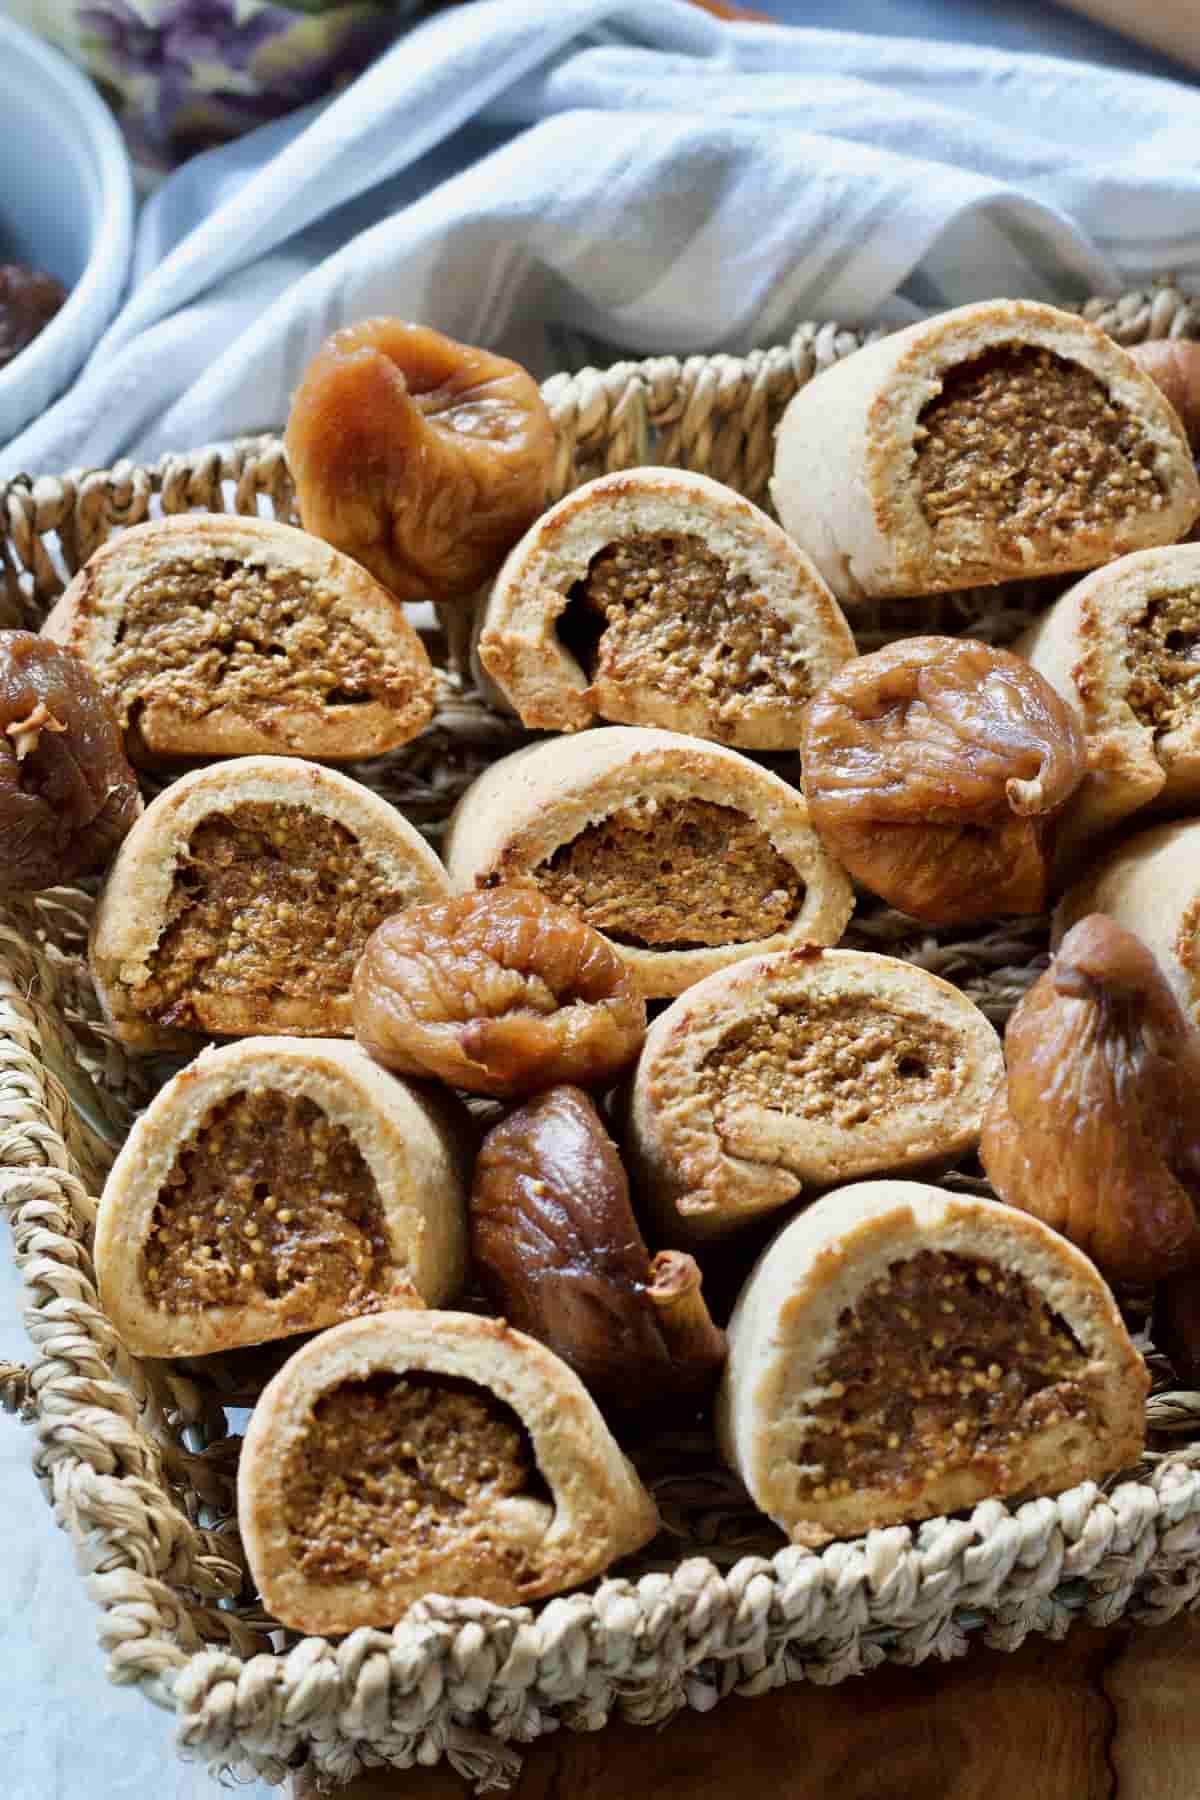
(682, 1312)
(25, 733)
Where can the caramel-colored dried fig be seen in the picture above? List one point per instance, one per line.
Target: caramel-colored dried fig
(1096, 1131)
(422, 458)
(934, 770)
(1175, 1326)
(67, 793)
(559, 1253)
(499, 993)
(1174, 366)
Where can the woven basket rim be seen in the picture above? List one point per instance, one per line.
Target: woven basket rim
(463, 1678)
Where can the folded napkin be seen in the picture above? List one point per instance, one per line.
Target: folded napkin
(538, 175)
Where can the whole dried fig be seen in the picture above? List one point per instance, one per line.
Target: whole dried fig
(500, 993)
(934, 769)
(1097, 1130)
(422, 458)
(67, 793)
(1174, 366)
(560, 1256)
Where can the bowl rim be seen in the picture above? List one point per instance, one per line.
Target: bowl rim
(64, 336)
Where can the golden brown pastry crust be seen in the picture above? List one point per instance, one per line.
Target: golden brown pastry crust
(524, 807)
(131, 911)
(90, 619)
(845, 487)
(1150, 884)
(598, 1512)
(520, 648)
(787, 1322)
(704, 1168)
(1085, 645)
(412, 1141)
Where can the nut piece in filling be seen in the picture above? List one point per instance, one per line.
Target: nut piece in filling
(684, 854)
(244, 900)
(935, 770)
(417, 1452)
(498, 993)
(801, 1068)
(995, 442)
(1123, 647)
(220, 636)
(276, 1186)
(422, 458)
(1096, 1128)
(901, 1352)
(659, 597)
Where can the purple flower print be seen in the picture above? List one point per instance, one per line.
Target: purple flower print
(191, 73)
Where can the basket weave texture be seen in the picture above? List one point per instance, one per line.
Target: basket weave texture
(139, 1458)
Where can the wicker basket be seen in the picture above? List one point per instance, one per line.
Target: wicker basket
(138, 1458)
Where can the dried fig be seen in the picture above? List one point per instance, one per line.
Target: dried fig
(67, 793)
(1174, 366)
(559, 1253)
(1096, 1131)
(422, 458)
(500, 993)
(934, 770)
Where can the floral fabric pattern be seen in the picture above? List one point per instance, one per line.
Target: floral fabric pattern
(183, 75)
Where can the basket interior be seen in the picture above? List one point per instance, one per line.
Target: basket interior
(172, 1429)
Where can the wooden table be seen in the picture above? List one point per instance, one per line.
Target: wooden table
(1111, 1715)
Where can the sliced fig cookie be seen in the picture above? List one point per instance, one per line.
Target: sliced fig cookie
(275, 1186)
(900, 1352)
(798, 1070)
(660, 597)
(685, 855)
(243, 897)
(429, 1452)
(992, 443)
(223, 636)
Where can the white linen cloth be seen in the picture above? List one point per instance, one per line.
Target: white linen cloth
(520, 172)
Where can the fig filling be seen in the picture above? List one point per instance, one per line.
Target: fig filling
(1024, 441)
(674, 875)
(944, 1363)
(1164, 657)
(835, 1060)
(397, 1469)
(666, 613)
(274, 900)
(202, 634)
(272, 1200)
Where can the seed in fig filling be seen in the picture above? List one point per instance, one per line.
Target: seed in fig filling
(834, 1060)
(665, 612)
(272, 899)
(945, 1361)
(1023, 440)
(397, 1468)
(1164, 661)
(675, 874)
(269, 1201)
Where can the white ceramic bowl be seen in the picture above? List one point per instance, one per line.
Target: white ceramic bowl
(66, 205)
